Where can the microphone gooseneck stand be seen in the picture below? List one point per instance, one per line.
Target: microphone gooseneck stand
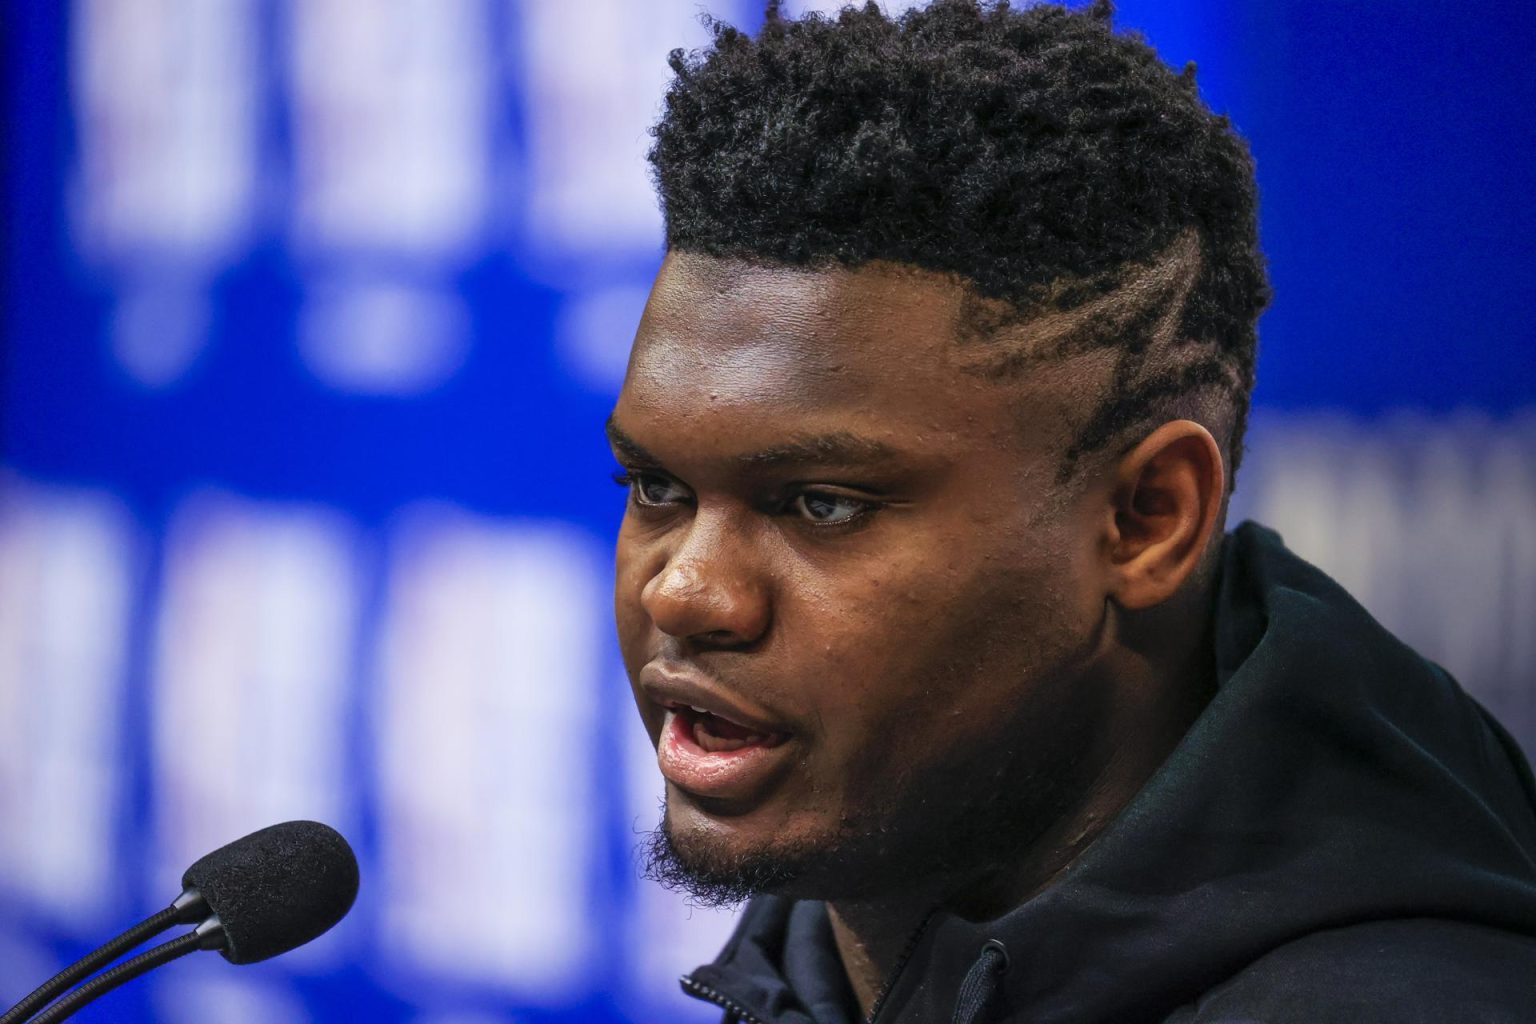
(208, 935)
(189, 908)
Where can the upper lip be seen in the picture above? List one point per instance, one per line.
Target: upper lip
(672, 687)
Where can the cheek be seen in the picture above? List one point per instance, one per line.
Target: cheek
(855, 663)
(633, 625)
(935, 660)
(631, 572)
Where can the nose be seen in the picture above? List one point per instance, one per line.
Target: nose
(709, 592)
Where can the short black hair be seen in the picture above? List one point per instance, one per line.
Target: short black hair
(1034, 153)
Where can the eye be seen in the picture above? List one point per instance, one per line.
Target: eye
(652, 488)
(828, 509)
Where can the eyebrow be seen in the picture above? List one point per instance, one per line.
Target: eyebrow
(626, 445)
(839, 447)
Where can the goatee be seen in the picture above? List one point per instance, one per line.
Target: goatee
(708, 882)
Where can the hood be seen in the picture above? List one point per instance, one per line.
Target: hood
(1335, 779)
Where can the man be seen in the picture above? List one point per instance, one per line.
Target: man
(929, 430)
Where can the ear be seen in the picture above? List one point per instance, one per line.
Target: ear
(1167, 501)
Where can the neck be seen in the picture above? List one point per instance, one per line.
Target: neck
(871, 937)
(1163, 692)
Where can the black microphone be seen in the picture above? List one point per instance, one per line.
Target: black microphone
(255, 898)
(276, 889)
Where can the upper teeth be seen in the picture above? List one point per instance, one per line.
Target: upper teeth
(699, 710)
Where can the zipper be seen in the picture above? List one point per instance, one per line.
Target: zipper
(901, 962)
(699, 990)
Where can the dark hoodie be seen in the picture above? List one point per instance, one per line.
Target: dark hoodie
(1343, 835)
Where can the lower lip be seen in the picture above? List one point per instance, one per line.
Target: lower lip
(723, 774)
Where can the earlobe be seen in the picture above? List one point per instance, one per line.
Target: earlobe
(1167, 499)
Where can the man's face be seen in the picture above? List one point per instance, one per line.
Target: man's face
(854, 608)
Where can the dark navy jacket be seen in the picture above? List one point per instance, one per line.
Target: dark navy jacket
(1342, 836)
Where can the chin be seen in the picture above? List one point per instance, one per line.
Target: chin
(721, 861)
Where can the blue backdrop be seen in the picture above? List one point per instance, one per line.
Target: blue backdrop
(312, 312)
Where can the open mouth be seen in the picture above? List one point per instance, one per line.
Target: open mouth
(711, 756)
(714, 734)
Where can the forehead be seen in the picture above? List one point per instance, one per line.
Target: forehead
(794, 334)
(732, 355)
(733, 360)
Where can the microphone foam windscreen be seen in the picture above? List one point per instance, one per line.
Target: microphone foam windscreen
(277, 888)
